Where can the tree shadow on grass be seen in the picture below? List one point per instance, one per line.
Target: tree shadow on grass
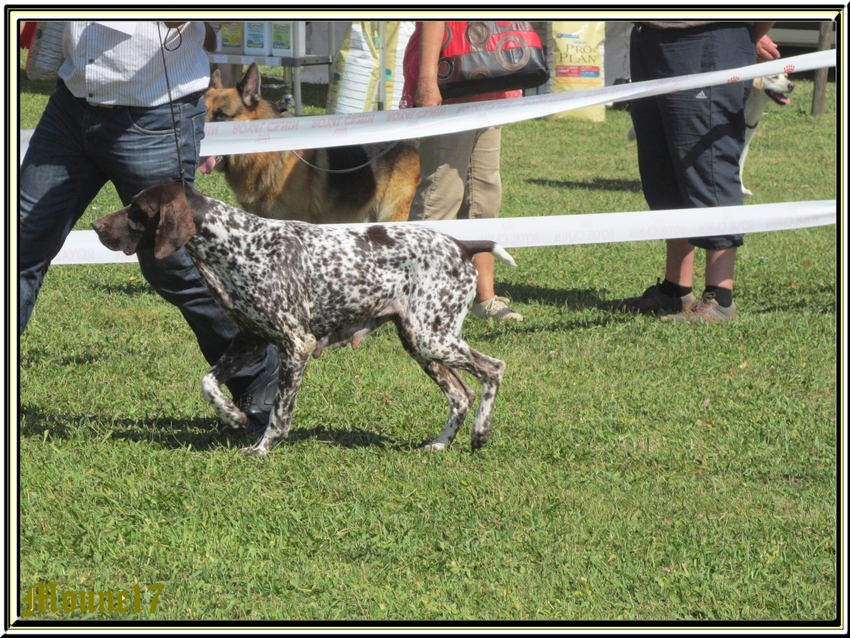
(821, 300)
(568, 297)
(201, 434)
(131, 288)
(39, 87)
(42, 353)
(597, 184)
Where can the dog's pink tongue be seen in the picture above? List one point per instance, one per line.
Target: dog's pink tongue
(206, 164)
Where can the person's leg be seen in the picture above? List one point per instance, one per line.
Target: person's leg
(703, 132)
(138, 150)
(716, 304)
(659, 184)
(443, 163)
(655, 156)
(485, 265)
(57, 182)
(679, 267)
(720, 268)
(709, 169)
(705, 126)
(483, 200)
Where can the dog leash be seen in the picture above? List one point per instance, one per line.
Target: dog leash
(347, 170)
(177, 130)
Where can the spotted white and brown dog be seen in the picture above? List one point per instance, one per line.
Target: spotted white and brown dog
(305, 288)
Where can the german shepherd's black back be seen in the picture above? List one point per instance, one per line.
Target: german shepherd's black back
(312, 185)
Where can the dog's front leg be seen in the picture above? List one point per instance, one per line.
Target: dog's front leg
(292, 368)
(243, 349)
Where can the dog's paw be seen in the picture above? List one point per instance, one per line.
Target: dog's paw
(252, 451)
(236, 420)
(479, 439)
(433, 446)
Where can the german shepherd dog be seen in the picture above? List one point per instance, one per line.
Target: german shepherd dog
(313, 185)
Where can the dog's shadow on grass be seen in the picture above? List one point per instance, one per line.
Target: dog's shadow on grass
(200, 434)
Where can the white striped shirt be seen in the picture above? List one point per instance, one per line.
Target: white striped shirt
(107, 66)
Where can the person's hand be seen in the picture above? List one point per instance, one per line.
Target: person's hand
(430, 43)
(427, 94)
(766, 50)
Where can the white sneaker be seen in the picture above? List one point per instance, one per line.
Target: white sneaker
(495, 308)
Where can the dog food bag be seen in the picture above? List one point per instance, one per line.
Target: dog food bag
(577, 65)
(283, 40)
(354, 87)
(46, 56)
(257, 38)
(231, 38)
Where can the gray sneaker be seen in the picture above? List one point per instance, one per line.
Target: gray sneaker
(653, 301)
(706, 310)
(495, 308)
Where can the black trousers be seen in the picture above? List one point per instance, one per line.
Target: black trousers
(690, 142)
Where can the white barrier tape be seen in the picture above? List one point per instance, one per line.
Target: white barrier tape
(83, 246)
(318, 131)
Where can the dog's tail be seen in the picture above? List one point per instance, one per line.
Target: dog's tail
(502, 254)
(486, 246)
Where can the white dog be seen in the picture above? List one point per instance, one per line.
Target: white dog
(772, 87)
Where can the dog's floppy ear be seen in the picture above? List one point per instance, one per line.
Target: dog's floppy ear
(215, 80)
(249, 87)
(176, 225)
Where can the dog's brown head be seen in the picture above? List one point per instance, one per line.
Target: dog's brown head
(243, 102)
(159, 216)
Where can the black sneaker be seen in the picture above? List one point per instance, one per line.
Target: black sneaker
(653, 301)
(257, 405)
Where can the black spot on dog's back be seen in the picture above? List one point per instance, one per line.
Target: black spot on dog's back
(378, 236)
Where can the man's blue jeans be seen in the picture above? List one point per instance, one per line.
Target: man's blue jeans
(75, 149)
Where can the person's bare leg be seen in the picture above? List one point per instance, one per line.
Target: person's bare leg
(485, 264)
(720, 267)
(486, 304)
(680, 262)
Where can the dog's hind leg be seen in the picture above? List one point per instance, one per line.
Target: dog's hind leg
(445, 351)
(460, 397)
(458, 393)
(243, 349)
(490, 372)
(293, 362)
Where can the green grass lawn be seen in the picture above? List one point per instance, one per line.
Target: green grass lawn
(638, 470)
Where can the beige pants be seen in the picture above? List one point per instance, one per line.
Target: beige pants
(460, 176)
